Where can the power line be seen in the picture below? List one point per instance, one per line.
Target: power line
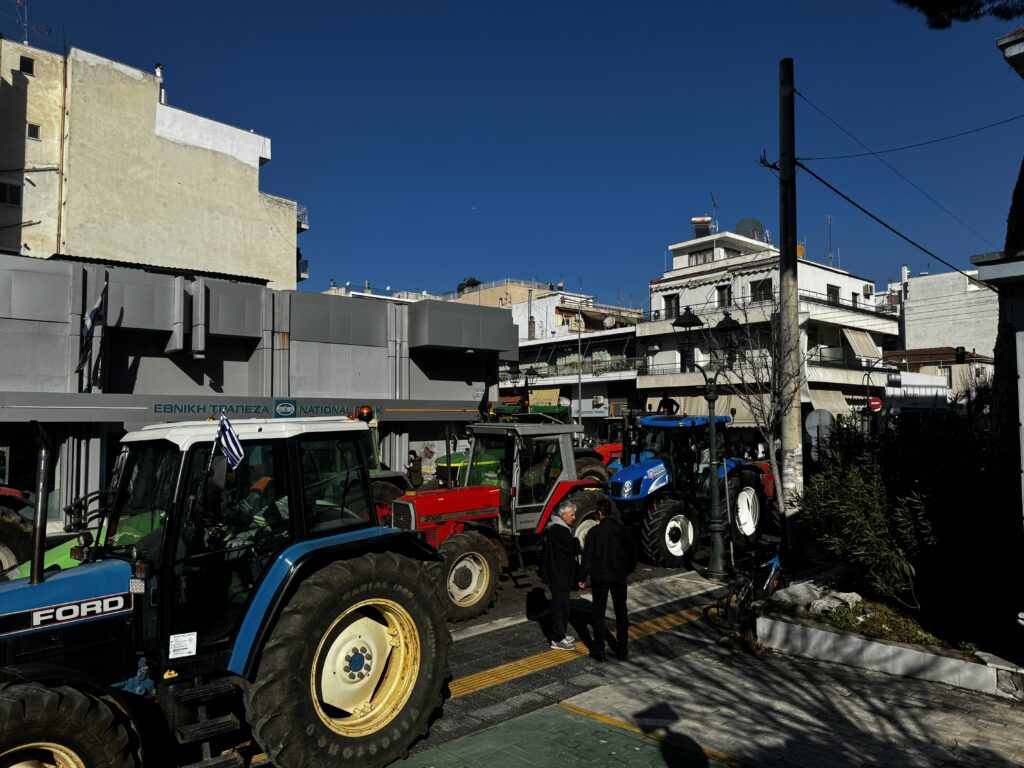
(871, 152)
(892, 229)
(913, 146)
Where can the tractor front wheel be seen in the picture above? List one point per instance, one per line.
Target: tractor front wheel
(745, 499)
(471, 573)
(588, 468)
(63, 727)
(355, 667)
(670, 534)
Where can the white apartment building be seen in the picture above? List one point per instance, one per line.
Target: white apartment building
(842, 332)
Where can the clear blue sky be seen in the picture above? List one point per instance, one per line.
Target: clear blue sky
(574, 140)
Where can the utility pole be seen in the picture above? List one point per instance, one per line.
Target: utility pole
(789, 300)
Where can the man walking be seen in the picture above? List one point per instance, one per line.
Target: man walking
(558, 571)
(609, 556)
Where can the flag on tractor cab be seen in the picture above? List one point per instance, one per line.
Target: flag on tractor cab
(228, 442)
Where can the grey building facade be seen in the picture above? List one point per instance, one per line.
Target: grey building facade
(185, 346)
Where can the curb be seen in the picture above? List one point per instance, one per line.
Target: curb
(828, 644)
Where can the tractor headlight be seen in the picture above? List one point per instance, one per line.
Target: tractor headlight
(627, 489)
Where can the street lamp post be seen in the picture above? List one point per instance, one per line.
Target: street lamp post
(686, 327)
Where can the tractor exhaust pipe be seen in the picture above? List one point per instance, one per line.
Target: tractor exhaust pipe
(39, 532)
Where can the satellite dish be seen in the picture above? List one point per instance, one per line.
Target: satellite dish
(751, 228)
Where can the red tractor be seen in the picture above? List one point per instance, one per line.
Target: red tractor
(517, 474)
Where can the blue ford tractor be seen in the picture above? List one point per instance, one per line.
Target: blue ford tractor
(660, 491)
(220, 610)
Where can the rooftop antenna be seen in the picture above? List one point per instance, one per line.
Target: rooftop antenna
(714, 212)
(828, 220)
(21, 8)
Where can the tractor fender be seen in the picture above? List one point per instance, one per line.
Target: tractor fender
(562, 491)
(300, 561)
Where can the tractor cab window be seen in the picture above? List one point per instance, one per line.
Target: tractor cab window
(490, 461)
(335, 487)
(143, 485)
(540, 466)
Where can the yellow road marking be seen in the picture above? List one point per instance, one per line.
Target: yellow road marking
(489, 678)
(669, 738)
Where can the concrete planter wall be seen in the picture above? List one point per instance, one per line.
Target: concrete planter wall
(828, 644)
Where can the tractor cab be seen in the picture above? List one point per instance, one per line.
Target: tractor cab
(526, 462)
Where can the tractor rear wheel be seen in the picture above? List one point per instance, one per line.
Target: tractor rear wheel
(586, 513)
(354, 669)
(745, 499)
(588, 468)
(15, 539)
(43, 726)
(670, 534)
(470, 574)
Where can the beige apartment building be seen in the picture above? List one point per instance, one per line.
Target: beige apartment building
(95, 164)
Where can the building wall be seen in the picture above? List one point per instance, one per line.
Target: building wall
(949, 310)
(149, 184)
(31, 164)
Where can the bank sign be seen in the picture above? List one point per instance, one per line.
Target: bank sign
(278, 409)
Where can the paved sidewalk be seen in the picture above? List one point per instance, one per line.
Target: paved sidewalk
(716, 707)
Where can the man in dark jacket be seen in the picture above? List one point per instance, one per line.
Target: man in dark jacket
(608, 558)
(558, 570)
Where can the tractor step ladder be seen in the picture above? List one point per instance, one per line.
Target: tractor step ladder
(203, 729)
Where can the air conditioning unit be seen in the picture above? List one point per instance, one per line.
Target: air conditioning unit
(869, 289)
(598, 401)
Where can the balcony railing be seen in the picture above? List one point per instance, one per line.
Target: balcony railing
(302, 270)
(741, 366)
(754, 302)
(588, 368)
(302, 218)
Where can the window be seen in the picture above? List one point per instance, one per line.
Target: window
(724, 295)
(671, 306)
(832, 292)
(32, 131)
(334, 491)
(853, 299)
(10, 194)
(701, 257)
(761, 290)
(27, 65)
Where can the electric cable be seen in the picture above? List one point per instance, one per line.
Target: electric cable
(935, 202)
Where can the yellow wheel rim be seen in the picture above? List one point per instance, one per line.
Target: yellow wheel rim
(365, 668)
(46, 755)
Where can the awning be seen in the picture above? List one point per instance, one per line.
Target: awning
(547, 396)
(861, 343)
(830, 400)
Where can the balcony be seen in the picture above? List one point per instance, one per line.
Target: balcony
(302, 270)
(745, 303)
(301, 219)
(590, 367)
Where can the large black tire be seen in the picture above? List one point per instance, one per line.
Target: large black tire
(385, 491)
(469, 579)
(746, 500)
(588, 468)
(354, 669)
(670, 534)
(15, 539)
(586, 513)
(64, 727)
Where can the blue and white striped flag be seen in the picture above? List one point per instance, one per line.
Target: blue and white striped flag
(89, 320)
(228, 442)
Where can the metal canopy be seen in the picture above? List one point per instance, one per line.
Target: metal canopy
(830, 400)
(861, 343)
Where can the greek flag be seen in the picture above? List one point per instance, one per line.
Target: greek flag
(228, 443)
(89, 320)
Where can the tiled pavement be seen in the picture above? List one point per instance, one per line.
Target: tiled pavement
(685, 692)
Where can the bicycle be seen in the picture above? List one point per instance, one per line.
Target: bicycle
(737, 607)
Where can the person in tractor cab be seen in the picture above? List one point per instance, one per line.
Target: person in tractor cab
(414, 469)
(558, 571)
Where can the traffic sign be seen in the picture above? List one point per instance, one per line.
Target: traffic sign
(874, 404)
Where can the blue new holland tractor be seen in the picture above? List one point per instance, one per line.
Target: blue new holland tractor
(222, 610)
(664, 491)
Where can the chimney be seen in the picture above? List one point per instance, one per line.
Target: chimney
(531, 325)
(159, 69)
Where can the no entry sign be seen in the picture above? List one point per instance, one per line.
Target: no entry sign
(874, 403)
